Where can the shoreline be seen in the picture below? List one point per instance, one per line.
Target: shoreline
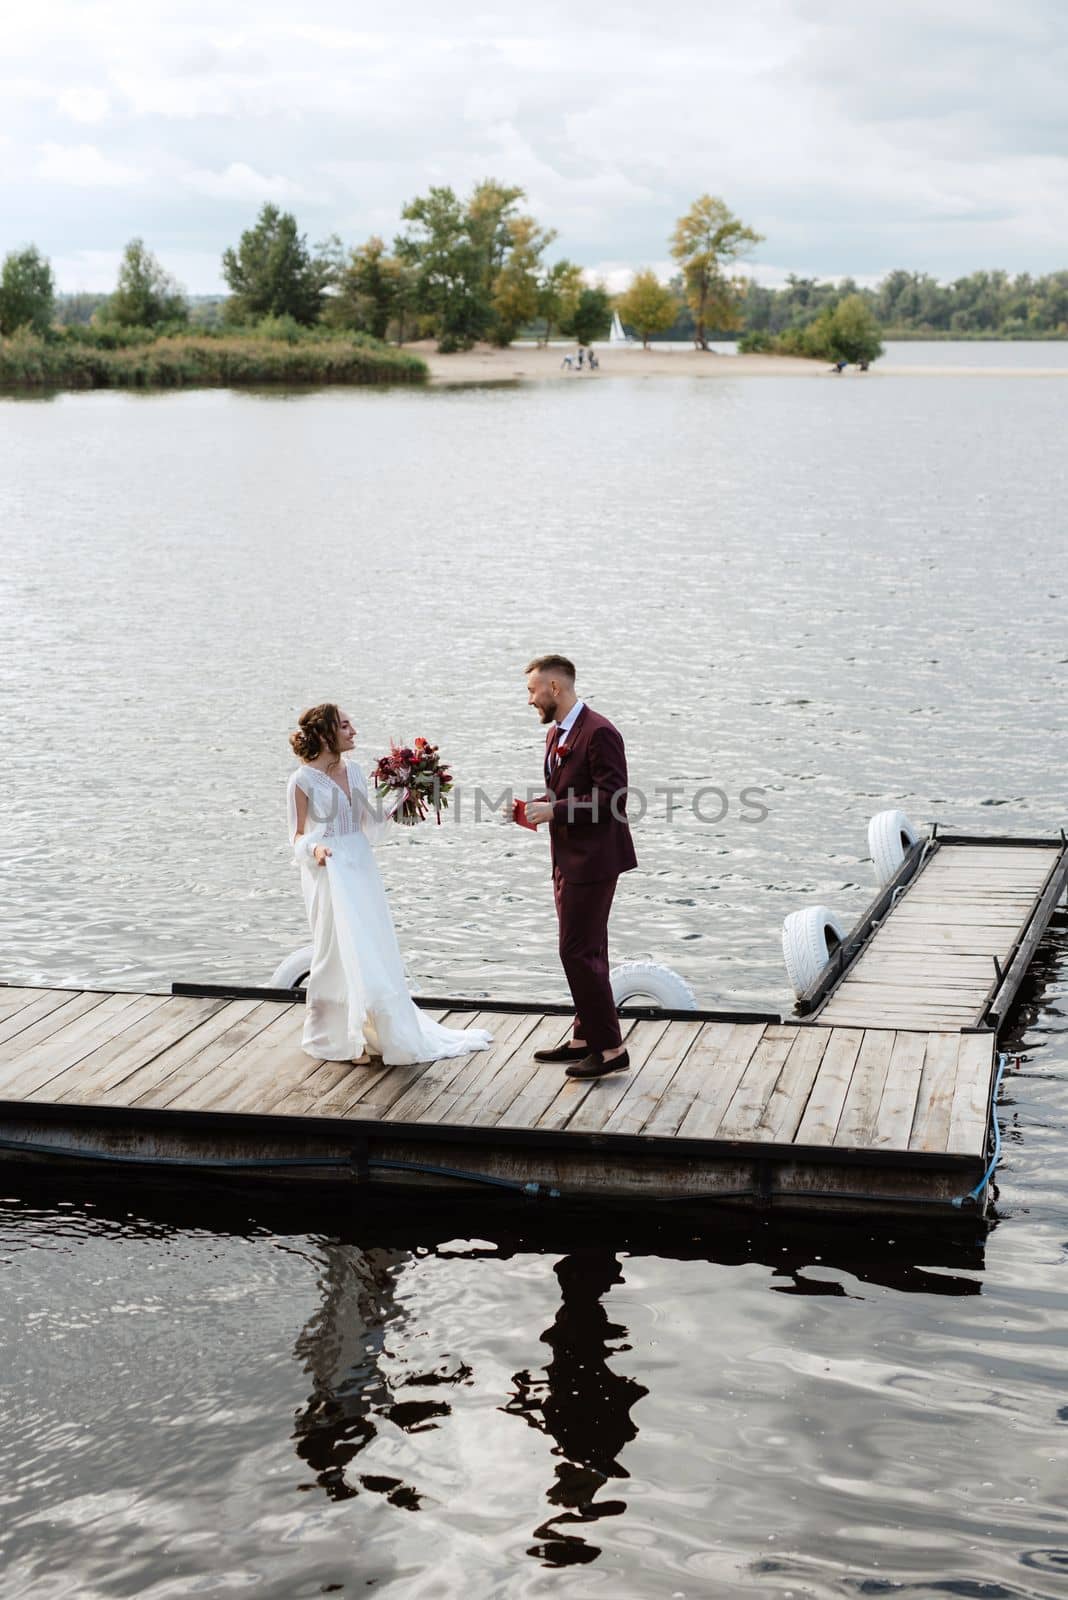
(32, 364)
(541, 364)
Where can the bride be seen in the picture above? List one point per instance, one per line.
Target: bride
(357, 993)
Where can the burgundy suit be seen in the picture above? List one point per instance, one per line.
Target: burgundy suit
(591, 845)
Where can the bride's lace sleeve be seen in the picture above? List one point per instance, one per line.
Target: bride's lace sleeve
(374, 817)
(314, 831)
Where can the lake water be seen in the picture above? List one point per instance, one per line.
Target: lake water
(847, 596)
(1048, 355)
(1035, 354)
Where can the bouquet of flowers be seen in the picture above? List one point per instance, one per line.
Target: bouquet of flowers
(417, 773)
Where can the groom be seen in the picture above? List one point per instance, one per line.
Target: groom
(586, 809)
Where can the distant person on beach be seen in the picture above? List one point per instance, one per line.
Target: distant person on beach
(566, 362)
(593, 361)
(581, 357)
(840, 366)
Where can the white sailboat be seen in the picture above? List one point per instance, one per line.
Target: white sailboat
(617, 336)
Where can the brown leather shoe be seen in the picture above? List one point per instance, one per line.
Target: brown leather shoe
(563, 1052)
(595, 1065)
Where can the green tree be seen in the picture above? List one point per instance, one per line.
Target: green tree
(591, 316)
(1049, 309)
(847, 331)
(27, 291)
(898, 298)
(369, 290)
(446, 267)
(476, 263)
(272, 273)
(509, 247)
(559, 289)
(986, 305)
(78, 310)
(490, 213)
(517, 295)
(853, 332)
(706, 241)
(405, 302)
(758, 305)
(146, 295)
(647, 306)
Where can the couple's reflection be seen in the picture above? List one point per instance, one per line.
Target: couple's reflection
(578, 1400)
(343, 1350)
(581, 1403)
(357, 1349)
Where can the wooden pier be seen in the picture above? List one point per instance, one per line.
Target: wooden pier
(877, 1098)
(945, 951)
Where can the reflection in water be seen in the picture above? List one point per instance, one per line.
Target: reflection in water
(1044, 976)
(582, 1403)
(380, 1290)
(342, 1349)
(579, 1401)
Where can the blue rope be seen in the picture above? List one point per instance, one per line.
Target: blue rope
(973, 1194)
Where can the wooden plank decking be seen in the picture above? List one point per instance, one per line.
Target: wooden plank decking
(706, 1096)
(879, 1100)
(788, 1083)
(932, 962)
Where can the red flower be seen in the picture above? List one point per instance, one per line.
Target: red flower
(407, 769)
(562, 750)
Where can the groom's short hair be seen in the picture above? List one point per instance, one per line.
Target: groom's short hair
(559, 664)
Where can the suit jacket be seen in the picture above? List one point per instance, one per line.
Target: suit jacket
(589, 834)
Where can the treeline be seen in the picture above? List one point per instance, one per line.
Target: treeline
(143, 334)
(461, 270)
(906, 305)
(913, 305)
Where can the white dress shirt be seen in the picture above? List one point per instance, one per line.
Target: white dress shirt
(565, 727)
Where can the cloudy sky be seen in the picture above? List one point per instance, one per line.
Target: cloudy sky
(855, 136)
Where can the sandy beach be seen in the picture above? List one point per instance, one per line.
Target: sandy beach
(487, 364)
(526, 363)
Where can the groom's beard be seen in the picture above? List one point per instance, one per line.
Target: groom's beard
(548, 713)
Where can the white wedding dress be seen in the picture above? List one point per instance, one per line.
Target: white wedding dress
(357, 992)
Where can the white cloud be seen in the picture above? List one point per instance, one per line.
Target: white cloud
(242, 182)
(82, 166)
(96, 271)
(187, 98)
(617, 275)
(930, 133)
(83, 103)
(87, 271)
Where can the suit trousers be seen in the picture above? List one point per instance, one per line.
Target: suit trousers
(582, 910)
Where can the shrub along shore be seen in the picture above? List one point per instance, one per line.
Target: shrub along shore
(198, 360)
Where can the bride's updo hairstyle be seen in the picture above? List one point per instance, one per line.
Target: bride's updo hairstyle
(317, 731)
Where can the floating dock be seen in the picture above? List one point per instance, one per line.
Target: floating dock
(877, 1097)
(954, 941)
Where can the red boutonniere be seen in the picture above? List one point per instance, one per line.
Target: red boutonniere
(562, 750)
